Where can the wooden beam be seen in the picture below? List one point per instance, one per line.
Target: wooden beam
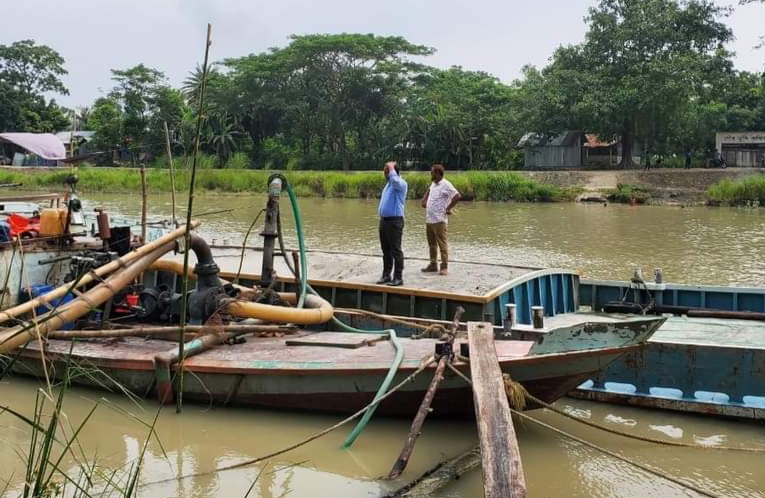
(419, 419)
(440, 476)
(500, 456)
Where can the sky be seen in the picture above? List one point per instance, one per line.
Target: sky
(498, 37)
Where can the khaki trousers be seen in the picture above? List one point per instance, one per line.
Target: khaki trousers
(436, 234)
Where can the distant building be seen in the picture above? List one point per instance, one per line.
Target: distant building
(75, 142)
(741, 148)
(30, 149)
(571, 149)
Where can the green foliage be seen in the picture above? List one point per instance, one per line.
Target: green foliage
(642, 64)
(482, 186)
(106, 121)
(504, 187)
(629, 194)
(238, 160)
(27, 73)
(650, 72)
(747, 192)
(459, 118)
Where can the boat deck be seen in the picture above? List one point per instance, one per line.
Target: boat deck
(465, 278)
(747, 334)
(348, 281)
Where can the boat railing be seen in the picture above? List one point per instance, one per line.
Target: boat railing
(597, 293)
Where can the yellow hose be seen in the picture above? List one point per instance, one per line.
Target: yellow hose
(317, 309)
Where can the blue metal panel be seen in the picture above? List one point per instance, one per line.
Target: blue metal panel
(721, 300)
(568, 297)
(556, 289)
(733, 371)
(751, 302)
(596, 293)
(522, 307)
(545, 296)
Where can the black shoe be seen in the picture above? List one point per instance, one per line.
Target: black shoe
(383, 280)
(396, 282)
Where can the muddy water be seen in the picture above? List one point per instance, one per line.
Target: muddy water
(200, 440)
(694, 245)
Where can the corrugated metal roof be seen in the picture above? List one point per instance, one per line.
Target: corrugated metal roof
(66, 136)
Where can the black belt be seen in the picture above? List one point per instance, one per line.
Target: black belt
(391, 218)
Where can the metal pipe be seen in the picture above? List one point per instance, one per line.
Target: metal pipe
(17, 336)
(99, 272)
(538, 316)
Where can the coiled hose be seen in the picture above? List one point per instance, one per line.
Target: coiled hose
(305, 287)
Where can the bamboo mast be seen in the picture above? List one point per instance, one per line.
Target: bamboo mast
(187, 238)
(172, 170)
(144, 192)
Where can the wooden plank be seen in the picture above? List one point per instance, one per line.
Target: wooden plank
(500, 456)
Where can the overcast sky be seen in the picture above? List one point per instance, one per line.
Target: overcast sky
(495, 36)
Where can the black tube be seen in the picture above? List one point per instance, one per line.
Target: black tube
(206, 269)
(201, 250)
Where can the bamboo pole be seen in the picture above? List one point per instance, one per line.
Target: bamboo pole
(172, 170)
(439, 476)
(99, 272)
(187, 237)
(144, 193)
(159, 330)
(17, 336)
(419, 419)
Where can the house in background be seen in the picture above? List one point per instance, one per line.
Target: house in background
(571, 149)
(75, 142)
(742, 148)
(31, 149)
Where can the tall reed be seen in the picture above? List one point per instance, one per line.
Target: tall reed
(55, 463)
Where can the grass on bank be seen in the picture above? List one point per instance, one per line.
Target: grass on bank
(473, 185)
(749, 191)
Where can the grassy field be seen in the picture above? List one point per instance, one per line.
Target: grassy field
(733, 187)
(483, 186)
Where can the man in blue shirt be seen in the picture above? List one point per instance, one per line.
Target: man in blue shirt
(391, 213)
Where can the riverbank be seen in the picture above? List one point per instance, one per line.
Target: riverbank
(669, 186)
(655, 186)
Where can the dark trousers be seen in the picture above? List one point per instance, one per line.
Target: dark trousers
(391, 231)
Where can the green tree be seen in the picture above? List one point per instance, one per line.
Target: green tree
(27, 72)
(105, 119)
(461, 118)
(641, 63)
(330, 91)
(146, 102)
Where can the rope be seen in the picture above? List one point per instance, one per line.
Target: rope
(516, 387)
(423, 365)
(626, 434)
(391, 319)
(613, 454)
